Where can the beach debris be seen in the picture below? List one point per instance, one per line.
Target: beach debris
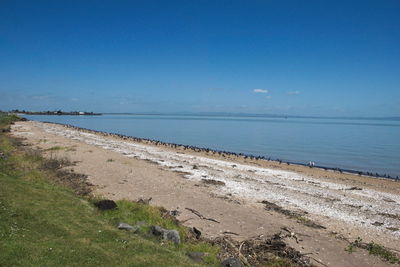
(201, 216)
(279, 209)
(299, 216)
(231, 262)
(258, 251)
(196, 256)
(213, 182)
(230, 233)
(172, 235)
(388, 200)
(145, 201)
(106, 204)
(312, 224)
(76, 181)
(389, 215)
(175, 212)
(196, 232)
(354, 188)
(290, 234)
(354, 206)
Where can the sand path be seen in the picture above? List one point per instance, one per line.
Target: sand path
(348, 206)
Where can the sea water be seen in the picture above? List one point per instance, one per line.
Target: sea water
(368, 145)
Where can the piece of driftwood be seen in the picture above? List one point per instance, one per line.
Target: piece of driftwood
(230, 233)
(201, 216)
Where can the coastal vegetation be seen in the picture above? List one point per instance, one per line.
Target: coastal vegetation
(44, 222)
(373, 249)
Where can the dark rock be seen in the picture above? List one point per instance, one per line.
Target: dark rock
(196, 232)
(106, 204)
(156, 230)
(196, 256)
(172, 235)
(231, 262)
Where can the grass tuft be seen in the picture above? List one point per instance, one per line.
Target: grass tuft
(378, 250)
(373, 249)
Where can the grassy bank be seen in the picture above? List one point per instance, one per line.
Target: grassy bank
(43, 222)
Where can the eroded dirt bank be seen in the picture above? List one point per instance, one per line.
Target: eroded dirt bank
(238, 197)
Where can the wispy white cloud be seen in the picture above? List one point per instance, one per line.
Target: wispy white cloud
(268, 97)
(263, 91)
(40, 97)
(294, 93)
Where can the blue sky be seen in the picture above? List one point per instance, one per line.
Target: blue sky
(332, 58)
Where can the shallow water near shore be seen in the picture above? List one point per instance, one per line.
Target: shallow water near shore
(364, 145)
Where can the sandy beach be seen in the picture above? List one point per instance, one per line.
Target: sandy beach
(321, 211)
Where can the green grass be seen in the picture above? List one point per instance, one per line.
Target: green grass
(6, 120)
(132, 213)
(373, 249)
(378, 250)
(43, 223)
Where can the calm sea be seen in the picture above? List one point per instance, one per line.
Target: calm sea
(365, 145)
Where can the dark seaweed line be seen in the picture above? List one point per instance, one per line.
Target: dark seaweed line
(222, 152)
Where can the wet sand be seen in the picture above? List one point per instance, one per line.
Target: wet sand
(229, 189)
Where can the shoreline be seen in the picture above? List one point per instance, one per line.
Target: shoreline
(325, 210)
(229, 153)
(224, 162)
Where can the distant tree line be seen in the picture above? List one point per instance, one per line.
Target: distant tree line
(55, 112)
